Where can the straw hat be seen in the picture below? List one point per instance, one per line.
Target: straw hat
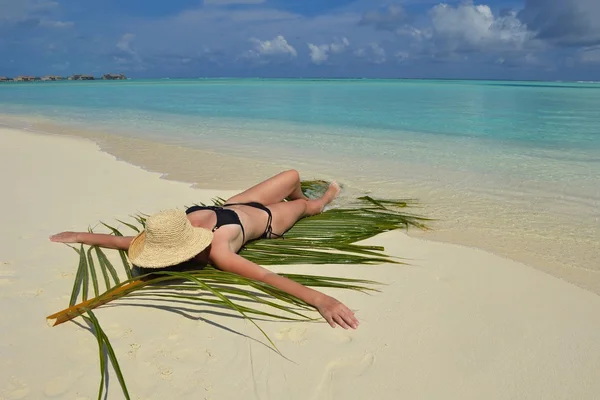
(169, 239)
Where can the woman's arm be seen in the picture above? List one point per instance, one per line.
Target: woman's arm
(94, 239)
(332, 310)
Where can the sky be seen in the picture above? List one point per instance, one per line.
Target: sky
(493, 39)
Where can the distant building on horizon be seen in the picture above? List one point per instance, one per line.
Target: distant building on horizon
(113, 77)
(74, 77)
(52, 78)
(78, 77)
(22, 78)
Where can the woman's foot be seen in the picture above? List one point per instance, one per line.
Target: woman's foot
(330, 194)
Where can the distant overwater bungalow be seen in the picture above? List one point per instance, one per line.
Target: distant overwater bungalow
(52, 78)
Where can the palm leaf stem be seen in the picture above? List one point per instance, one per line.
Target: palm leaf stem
(81, 308)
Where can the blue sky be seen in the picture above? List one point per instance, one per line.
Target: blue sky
(526, 39)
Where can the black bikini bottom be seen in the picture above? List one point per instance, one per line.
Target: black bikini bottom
(268, 234)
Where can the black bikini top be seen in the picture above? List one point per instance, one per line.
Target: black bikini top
(229, 217)
(224, 217)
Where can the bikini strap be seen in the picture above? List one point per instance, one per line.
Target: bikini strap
(193, 208)
(269, 231)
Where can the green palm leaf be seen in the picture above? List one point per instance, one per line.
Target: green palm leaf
(327, 238)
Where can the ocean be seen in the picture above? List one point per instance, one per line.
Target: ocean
(493, 162)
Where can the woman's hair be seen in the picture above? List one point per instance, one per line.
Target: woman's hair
(151, 273)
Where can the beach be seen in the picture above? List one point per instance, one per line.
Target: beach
(455, 322)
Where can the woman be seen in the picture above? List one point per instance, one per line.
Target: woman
(215, 235)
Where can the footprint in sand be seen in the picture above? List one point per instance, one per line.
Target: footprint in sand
(211, 355)
(294, 335)
(341, 337)
(342, 367)
(165, 372)
(16, 390)
(134, 349)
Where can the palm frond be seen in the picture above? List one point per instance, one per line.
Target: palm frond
(122, 253)
(105, 346)
(327, 238)
(81, 278)
(92, 272)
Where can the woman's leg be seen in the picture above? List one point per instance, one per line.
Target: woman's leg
(283, 185)
(286, 214)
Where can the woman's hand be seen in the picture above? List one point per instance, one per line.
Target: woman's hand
(336, 313)
(65, 237)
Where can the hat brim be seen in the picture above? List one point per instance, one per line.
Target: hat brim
(142, 255)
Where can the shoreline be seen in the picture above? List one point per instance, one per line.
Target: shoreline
(462, 219)
(453, 323)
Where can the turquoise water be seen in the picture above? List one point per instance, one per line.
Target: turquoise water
(516, 134)
(552, 115)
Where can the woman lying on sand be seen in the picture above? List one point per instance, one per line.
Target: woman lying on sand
(214, 235)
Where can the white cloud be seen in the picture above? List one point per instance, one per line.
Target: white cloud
(320, 53)
(372, 52)
(378, 54)
(275, 47)
(210, 37)
(228, 2)
(339, 46)
(128, 54)
(124, 43)
(474, 27)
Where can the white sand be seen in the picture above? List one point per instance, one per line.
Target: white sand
(457, 323)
